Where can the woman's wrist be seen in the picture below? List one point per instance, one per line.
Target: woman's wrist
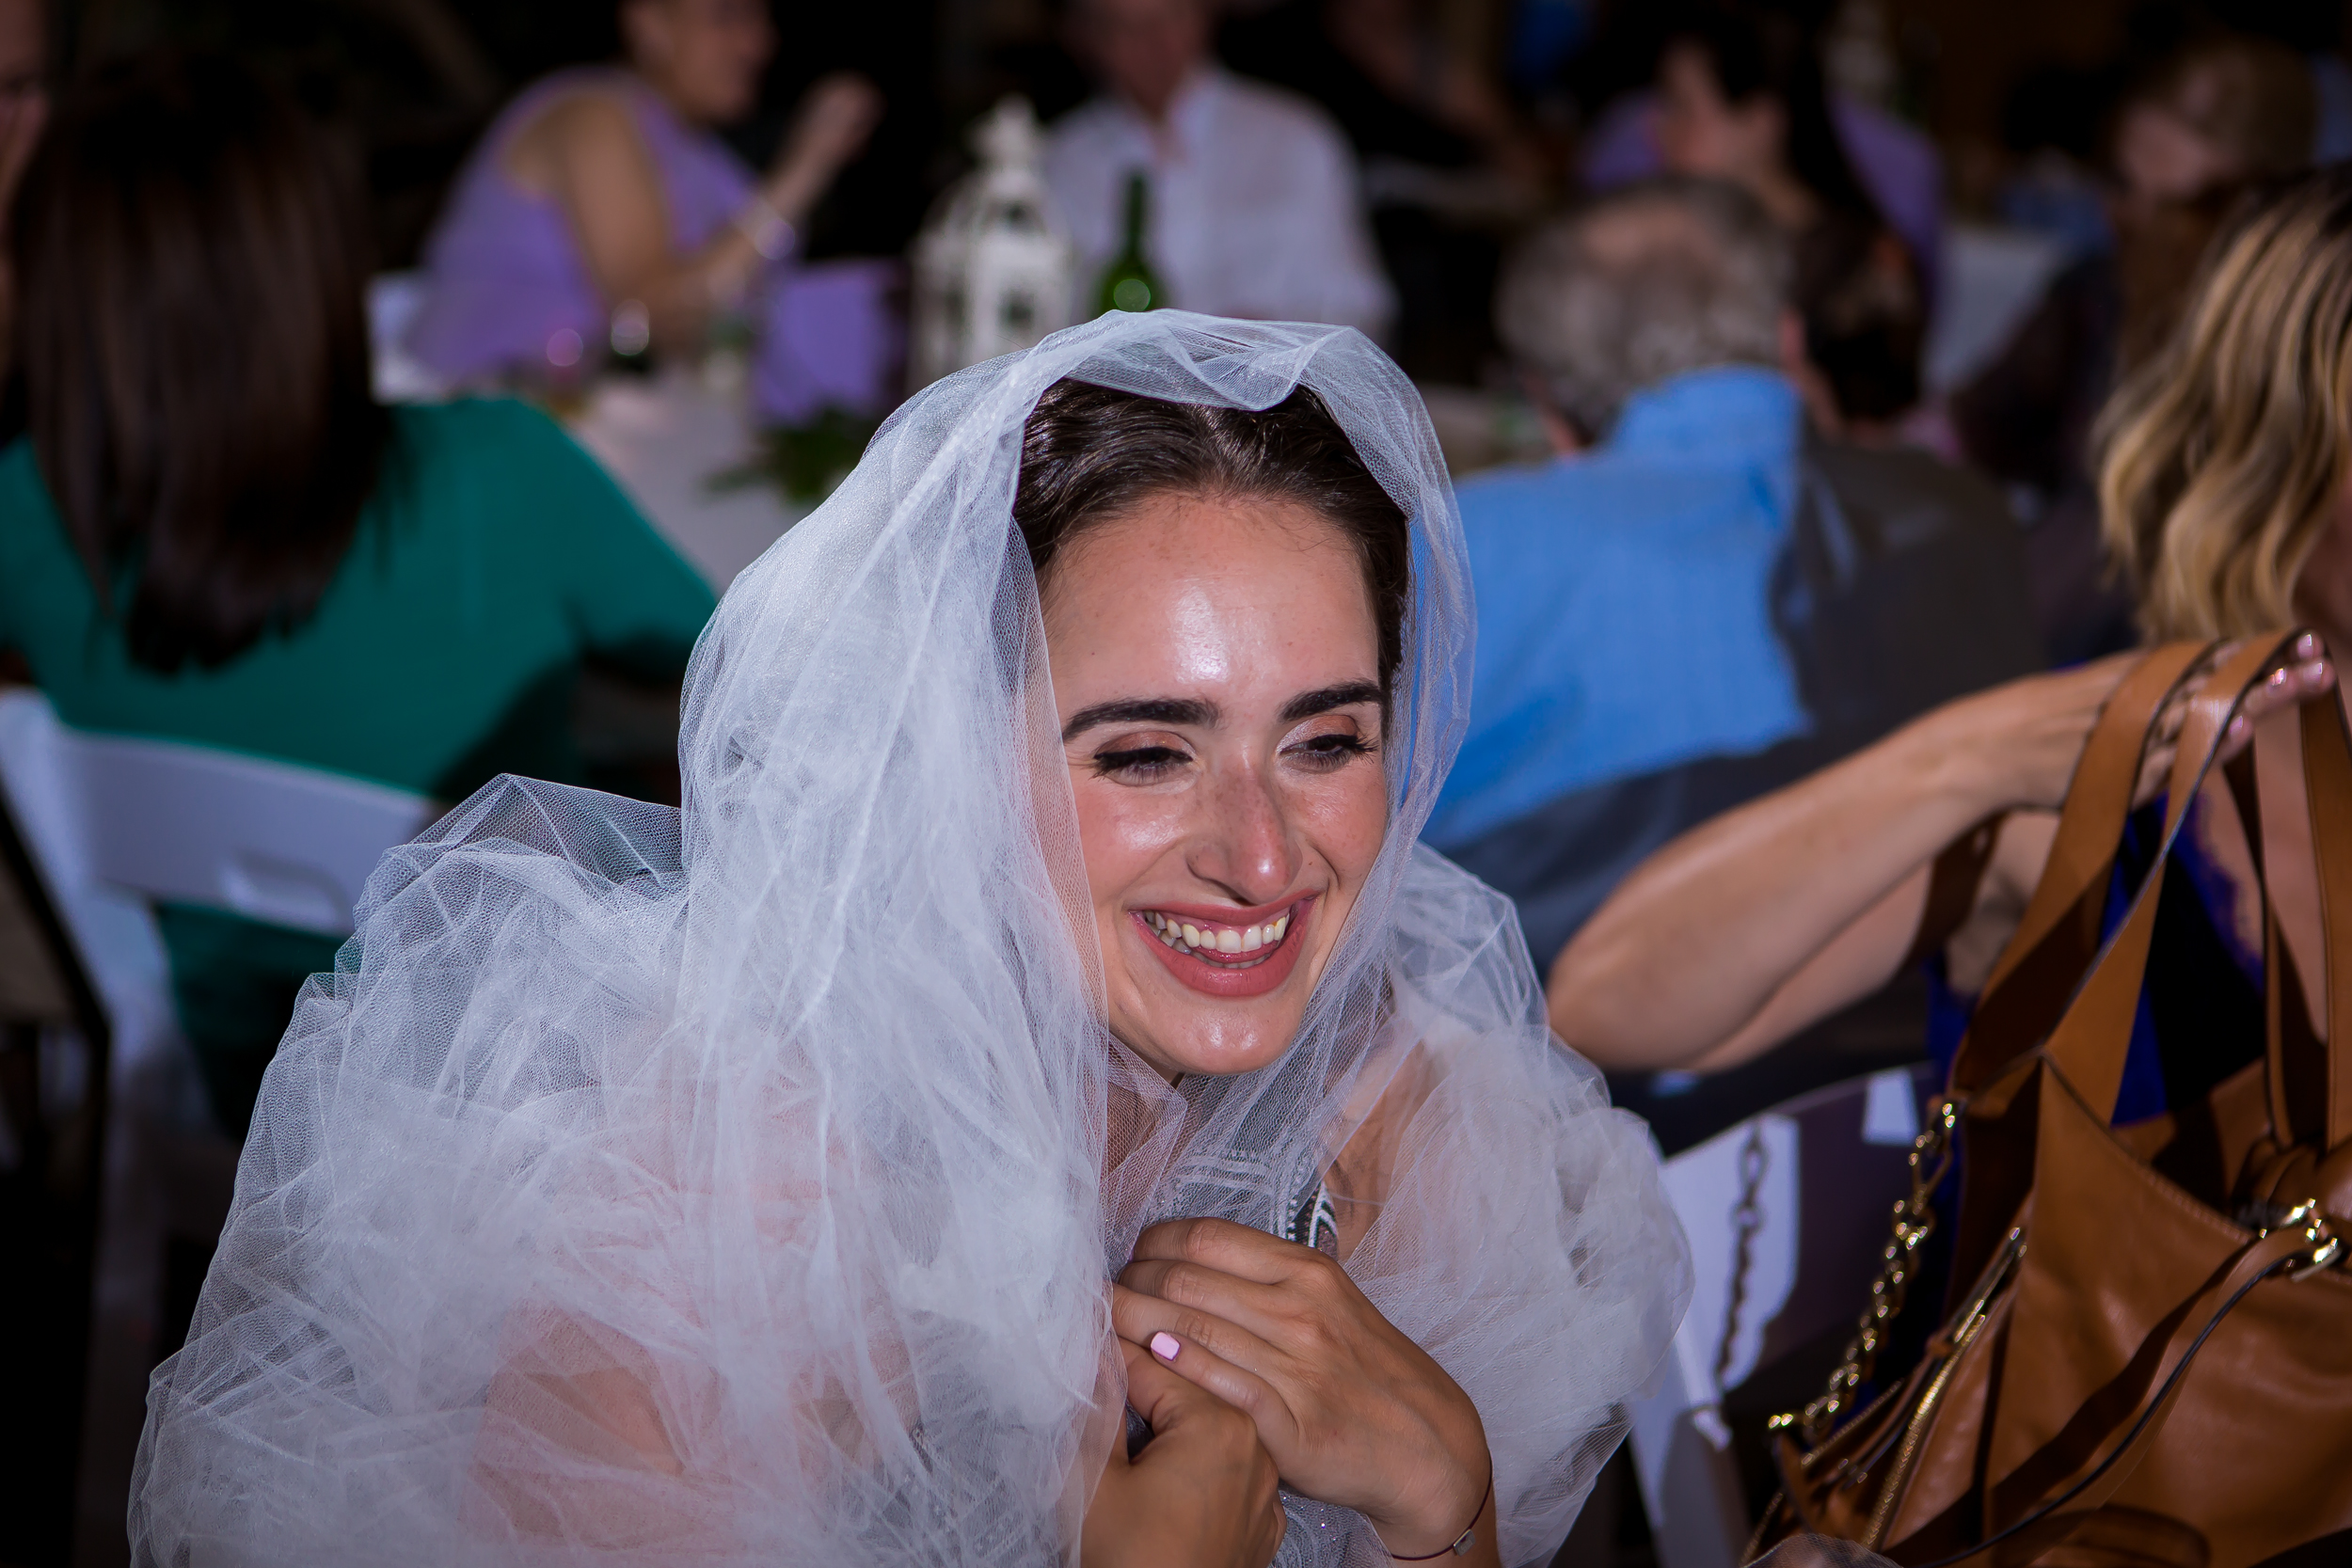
(1432, 1528)
(1950, 756)
(795, 186)
(767, 226)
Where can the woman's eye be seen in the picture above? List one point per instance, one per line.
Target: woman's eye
(1324, 753)
(1141, 764)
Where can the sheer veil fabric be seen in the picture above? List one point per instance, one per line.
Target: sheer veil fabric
(779, 1139)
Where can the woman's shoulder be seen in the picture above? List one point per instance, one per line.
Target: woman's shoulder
(27, 512)
(29, 523)
(18, 469)
(489, 448)
(471, 429)
(564, 116)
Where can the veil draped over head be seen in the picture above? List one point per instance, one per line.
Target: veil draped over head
(741, 1184)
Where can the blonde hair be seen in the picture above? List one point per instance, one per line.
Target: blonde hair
(2225, 454)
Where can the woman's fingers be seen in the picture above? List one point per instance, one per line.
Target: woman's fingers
(1204, 1491)
(1209, 1375)
(1155, 1392)
(1205, 1350)
(838, 115)
(1265, 1310)
(1240, 1250)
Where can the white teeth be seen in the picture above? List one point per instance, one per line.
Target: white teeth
(1189, 938)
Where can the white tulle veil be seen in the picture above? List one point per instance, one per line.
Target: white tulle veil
(794, 1110)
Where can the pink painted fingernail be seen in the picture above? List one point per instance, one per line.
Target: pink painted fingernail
(1165, 1346)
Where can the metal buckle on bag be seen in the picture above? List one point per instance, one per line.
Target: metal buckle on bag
(2327, 1248)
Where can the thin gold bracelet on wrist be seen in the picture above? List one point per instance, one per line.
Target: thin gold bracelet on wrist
(1462, 1542)
(770, 233)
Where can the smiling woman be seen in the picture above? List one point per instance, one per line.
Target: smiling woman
(1224, 597)
(1042, 1007)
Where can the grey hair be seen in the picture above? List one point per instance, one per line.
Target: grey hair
(1640, 285)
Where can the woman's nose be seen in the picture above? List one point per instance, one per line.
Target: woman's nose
(1244, 845)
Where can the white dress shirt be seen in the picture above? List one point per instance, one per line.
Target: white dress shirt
(1255, 209)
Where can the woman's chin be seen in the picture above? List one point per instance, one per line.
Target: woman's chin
(1184, 1032)
(1192, 1051)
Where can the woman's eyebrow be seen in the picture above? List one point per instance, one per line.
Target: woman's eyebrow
(1308, 704)
(1142, 710)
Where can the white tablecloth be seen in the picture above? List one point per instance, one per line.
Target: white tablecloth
(664, 439)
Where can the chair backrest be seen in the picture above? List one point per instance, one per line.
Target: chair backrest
(271, 841)
(1786, 1213)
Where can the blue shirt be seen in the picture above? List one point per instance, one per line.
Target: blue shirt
(1623, 600)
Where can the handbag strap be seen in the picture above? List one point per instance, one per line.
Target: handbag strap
(2310, 1078)
(2090, 1043)
(2057, 936)
(2327, 789)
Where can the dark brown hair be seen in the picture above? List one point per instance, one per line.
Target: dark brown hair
(191, 262)
(1090, 454)
(1865, 320)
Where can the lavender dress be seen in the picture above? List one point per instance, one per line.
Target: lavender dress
(508, 288)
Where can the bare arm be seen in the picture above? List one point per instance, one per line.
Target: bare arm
(1747, 928)
(585, 152)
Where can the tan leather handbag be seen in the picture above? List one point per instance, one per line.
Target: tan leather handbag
(2148, 1361)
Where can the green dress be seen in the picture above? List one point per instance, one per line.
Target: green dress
(494, 556)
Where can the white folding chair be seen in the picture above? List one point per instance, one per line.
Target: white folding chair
(109, 825)
(115, 822)
(1794, 1206)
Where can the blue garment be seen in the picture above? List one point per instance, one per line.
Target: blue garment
(1625, 618)
(2201, 1014)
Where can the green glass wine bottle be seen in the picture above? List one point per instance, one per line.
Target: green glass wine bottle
(1129, 283)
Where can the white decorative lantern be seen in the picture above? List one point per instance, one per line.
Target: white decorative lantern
(993, 267)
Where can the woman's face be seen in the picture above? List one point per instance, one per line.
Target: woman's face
(2162, 156)
(703, 56)
(1216, 668)
(1700, 132)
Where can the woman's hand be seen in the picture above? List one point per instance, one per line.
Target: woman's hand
(2016, 745)
(829, 128)
(1202, 1493)
(1353, 1412)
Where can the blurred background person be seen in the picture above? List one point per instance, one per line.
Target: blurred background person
(1454, 169)
(1695, 602)
(601, 212)
(1254, 207)
(23, 112)
(1392, 73)
(2212, 118)
(1739, 95)
(214, 534)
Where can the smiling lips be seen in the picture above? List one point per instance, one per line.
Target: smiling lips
(1221, 958)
